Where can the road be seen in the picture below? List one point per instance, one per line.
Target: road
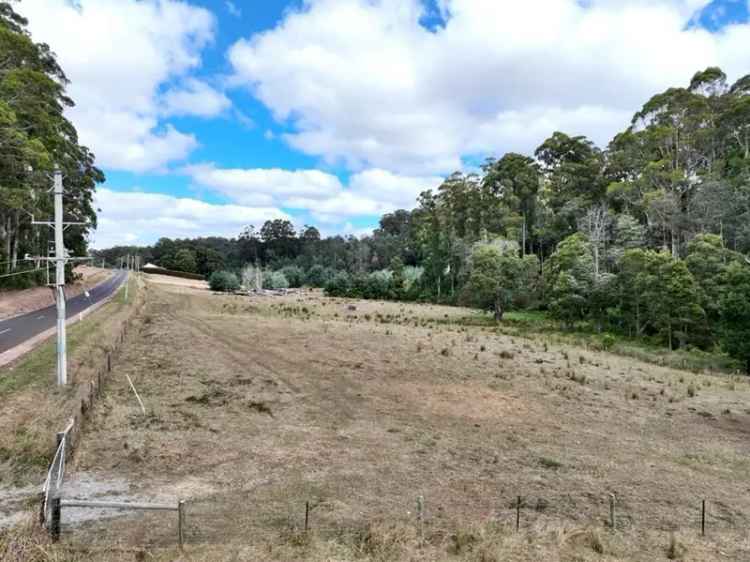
(17, 330)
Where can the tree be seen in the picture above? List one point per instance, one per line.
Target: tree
(497, 279)
(514, 180)
(595, 224)
(279, 238)
(569, 277)
(678, 308)
(208, 260)
(184, 260)
(735, 314)
(35, 136)
(708, 259)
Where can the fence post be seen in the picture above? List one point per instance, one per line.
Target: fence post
(109, 361)
(420, 516)
(703, 518)
(518, 514)
(612, 521)
(54, 524)
(181, 522)
(307, 516)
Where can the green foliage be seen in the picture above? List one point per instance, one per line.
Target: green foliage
(184, 260)
(569, 280)
(224, 281)
(319, 276)
(294, 275)
(734, 309)
(497, 280)
(275, 280)
(340, 285)
(35, 136)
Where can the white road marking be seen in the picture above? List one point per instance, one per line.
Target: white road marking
(6, 330)
(40, 317)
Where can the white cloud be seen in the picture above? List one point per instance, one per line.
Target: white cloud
(263, 186)
(195, 97)
(136, 217)
(362, 82)
(370, 192)
(117, 54)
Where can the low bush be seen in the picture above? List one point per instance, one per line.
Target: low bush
(340, 285)
(275, 280)
(319, 276)
(294, 275)
(224, 281)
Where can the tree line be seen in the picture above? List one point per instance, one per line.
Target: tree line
(35, 136)
(647, 238)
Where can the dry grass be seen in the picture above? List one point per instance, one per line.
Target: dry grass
(34, 408)
(258, 404)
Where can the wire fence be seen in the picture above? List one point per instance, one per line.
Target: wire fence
(242, 517)
(53, 483)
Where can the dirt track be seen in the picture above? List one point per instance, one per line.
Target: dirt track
(256, 405)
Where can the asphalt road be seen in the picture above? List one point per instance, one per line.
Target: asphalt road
(21, 328)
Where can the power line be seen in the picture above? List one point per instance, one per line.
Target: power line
(17, 260)
(20, 272)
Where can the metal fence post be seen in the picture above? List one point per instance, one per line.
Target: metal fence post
(612, 521)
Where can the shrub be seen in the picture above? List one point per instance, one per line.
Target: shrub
(224, 281)
(275, 280)
(294, 275)
(340, 285)
(608, 341)
(319, 276)
(411, 276)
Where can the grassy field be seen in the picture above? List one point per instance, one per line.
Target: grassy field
(257, 405)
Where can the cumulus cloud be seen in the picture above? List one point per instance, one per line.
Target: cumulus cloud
(194, 97)
(117, 55)
(137, 217)
(362, 82)
(369, 192)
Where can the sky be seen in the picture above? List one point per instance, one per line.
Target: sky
(211, 115)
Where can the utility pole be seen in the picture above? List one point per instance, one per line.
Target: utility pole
(127, 275)
(62, 357)
(61, 258)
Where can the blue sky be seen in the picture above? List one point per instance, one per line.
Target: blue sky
(208, 115)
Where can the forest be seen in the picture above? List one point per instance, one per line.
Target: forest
(648, 238)
(35, 136)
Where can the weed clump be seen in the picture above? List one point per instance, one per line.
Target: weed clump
(550, 463)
